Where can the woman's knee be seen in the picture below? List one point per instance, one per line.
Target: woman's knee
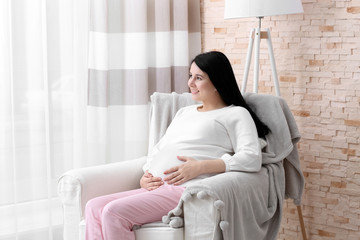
(91, 204)
(117, 214)
(116, 208)
(94, 207)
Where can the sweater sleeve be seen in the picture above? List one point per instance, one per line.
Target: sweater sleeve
(243, 135)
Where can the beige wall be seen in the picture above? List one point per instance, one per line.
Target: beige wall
(318, 62)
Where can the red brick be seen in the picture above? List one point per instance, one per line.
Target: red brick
(220, 30)
(333, 45)
(287, 79)
(326, 28)
(331, 201)
(316, 62)
(313, 97)
(355, 123)
(338, 184)
(301, 113)
(340, 219)
(323, 138)
(335, 81)
(350, 152)
(354, 10)
(323, 233)
(315, 165)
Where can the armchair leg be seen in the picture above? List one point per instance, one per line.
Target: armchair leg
(301, 220)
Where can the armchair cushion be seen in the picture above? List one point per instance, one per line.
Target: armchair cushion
(158, 231)
(150, 231)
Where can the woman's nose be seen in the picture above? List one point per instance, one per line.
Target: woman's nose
(191, 81)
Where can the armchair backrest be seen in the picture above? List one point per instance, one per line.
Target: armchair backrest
(163, 108)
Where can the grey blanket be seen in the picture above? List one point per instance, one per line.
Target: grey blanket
(250, 204)
(281, 141)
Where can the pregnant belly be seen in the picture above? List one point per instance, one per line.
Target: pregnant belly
(163, 160)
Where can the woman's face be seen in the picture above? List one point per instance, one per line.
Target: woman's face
(201, 87)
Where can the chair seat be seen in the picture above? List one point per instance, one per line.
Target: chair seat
(158, 231)
(151, 231)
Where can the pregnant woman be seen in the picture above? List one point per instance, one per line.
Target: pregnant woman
(221, 134)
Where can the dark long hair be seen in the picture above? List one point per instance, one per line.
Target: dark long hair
(219, 69)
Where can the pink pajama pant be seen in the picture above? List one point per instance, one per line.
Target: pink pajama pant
(113, 216)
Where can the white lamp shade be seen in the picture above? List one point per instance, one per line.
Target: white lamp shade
(260, 8)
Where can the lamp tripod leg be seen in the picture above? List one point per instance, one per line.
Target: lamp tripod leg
(272, 62)
(248, 61)
(301, 220)
(256, 60)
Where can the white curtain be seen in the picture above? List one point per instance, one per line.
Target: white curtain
(75, 80)
(43, 78)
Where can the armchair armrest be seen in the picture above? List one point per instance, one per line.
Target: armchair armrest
(78, 186)
(245, 204)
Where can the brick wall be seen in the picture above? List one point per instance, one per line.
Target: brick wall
(318, 62)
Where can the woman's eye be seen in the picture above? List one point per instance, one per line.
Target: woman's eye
(198, 78)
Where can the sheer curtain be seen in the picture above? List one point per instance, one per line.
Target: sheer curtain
(43, 78)
(74, 92)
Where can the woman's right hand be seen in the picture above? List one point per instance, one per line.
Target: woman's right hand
(149, 182)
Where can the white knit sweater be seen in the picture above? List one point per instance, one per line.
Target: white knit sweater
(228, 133)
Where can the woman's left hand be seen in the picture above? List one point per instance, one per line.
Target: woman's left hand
(184, 172)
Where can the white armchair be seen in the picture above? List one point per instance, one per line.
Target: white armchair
(233, 205)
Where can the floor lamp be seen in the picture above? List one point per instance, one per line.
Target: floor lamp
(260, 9)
